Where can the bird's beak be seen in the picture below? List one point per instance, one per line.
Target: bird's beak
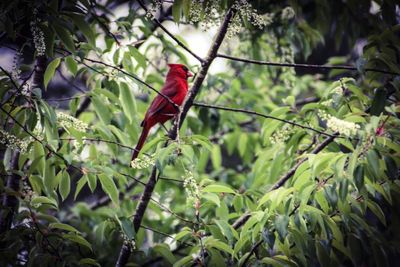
(189, 74)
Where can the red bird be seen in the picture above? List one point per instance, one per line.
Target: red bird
(161, 110)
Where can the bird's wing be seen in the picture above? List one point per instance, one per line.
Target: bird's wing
(170, 89)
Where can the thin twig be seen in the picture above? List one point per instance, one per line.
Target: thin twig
(204, 105)
(52, 151)
(307, 66)
(172, 36)
(167, 235)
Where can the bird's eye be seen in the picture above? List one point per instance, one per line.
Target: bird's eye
(185, 68)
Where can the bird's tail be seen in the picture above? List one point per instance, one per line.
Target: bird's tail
(141, 141)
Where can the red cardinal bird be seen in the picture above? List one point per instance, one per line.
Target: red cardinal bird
(161, 109)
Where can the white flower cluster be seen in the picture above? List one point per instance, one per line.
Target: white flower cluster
(25, 91)
(155, 5)
(16, 72)
(192, 189)
(327, 103)
(38, 38)
(27, 192)
(289, 74)
(144, 162)
(288, 13)
(338, 90)
(195, 11)
(280, 136)
(67, 121)
(247, 12)
(130, 243)
(337, 125)
(13, 142)
(212, 15)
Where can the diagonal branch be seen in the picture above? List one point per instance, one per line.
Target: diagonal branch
(305, 66)
(281, 181)
(148, 190)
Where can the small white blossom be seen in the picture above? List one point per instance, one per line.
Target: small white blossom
(67, 121)
(16, 72)
(338, 90)
(327, 103)
(13, 142)
(27, 192)
(191, 187)
(25, 91)
(155, 6)
(337, 125)
(143, 162)
(195, 11)
(38, 37)
(288, 13)
(280, 136)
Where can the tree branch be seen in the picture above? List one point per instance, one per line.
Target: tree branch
(306, 66)
(290, 173)
(203, 105)
(148, 190)
(9, 202)
(243, 219)
(171, 35)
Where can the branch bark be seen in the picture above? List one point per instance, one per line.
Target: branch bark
(148, 190)
(9, 202)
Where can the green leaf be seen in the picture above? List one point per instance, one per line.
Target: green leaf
(215, 243)
(72, 66)
(227, 230)
(322, 254)
(176, 10)
(243, 144)
(183, 261)
(79, 185)
(50, 70)
(78, 239)
(182, 233)
(101, 109)
(165, 251)
(65, 186)
(373, 162)
(212, 197)
(374, 207)
(92, 181)
(127, 101)
(378, 103)
(202, 140)
(127, 227)
(281, 225)
(63, 226)
(108, 185)
(49, 178)
(43, 200)
(140, 59)
(84, 27)
(215, 188)
(39, 157)
(89, 261)
(391, 167)
(359, 177)
(271, 261)
(216, 157)
(65, 37)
